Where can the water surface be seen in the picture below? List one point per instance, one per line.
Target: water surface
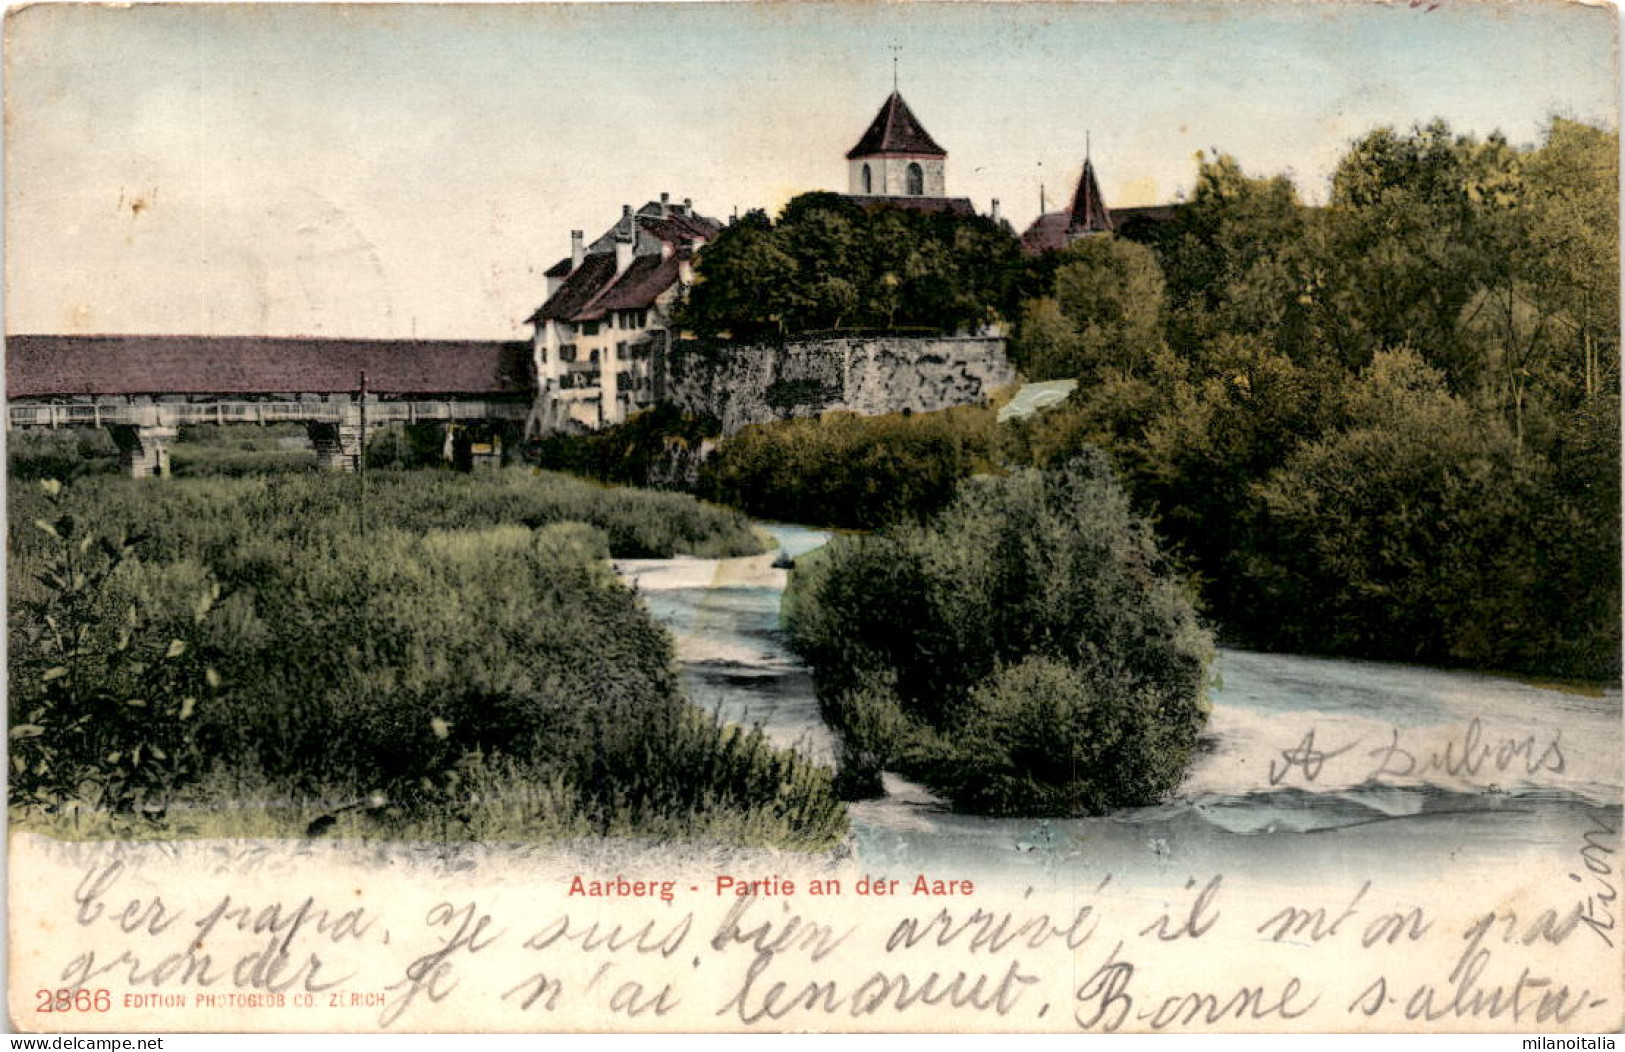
(1409, 769)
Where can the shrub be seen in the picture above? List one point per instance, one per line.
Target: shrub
(236, 525)
(496, 680)
(851, 471)
(406, 446)
(35, 455)
(104, 679)
(660, 447)
(1025, 650)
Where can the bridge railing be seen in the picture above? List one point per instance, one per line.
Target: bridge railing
(176, 414)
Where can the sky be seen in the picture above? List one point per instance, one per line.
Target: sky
(391, 171)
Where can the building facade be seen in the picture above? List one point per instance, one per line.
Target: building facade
(608, 313)
(605, 329)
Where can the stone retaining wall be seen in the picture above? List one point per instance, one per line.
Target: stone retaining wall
(755, 383)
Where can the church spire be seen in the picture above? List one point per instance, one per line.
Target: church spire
(1089, 212)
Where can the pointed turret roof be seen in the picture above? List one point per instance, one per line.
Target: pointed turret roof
(1089, 213)
(895, 130)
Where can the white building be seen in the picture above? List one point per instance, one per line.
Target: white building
(608, 311)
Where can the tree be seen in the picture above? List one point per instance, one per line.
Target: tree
(827, 264)
(1235, 259)
(1416, 227)
(742, 287)
(1105, 316)
(1573, 232)
(1417, 532)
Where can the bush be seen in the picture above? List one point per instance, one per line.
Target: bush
(406, 446)
(35, 455)
(239, 526)
(660, 447)
(104, 675)
(225, 462)
(1024, 650)
(496, 680)
(851, 471)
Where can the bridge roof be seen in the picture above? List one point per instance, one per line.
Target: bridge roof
(44, 366)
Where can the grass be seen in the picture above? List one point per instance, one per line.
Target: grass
(454, 661)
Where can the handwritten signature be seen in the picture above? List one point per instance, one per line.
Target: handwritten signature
(1471, 754)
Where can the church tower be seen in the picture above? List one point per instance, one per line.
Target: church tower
(897, 157)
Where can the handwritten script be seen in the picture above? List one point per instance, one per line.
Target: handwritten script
(126, 939)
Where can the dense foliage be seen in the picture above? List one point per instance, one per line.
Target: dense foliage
(242, 522)
(660, 447)
(1106, 312)
(205, 450)
(34, 455)
(1026, 650)
(1386, 426)
(828, 263)
(467, 665)
(851, 471)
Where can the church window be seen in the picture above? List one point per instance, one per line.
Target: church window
(916, 180)
(868, 180)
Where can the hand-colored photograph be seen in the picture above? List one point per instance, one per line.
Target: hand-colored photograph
(1069, 517)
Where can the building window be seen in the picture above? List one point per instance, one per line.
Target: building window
(589, 328)
(541, 356)
(567, 353)
(593, 355)
(916, 180)
(868, 180)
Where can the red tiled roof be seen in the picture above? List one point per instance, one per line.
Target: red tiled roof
(895, 130)
(579, 289)
(1050, 231)
(959, 206)
(674, 228)
(594, 287)
(644, 280)
(1047, 233)
(46, 366)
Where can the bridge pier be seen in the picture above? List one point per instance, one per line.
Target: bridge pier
(142, 452)
(338, 446)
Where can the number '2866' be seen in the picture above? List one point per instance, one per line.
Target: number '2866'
(73, 1000)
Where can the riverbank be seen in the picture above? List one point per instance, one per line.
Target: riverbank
(1307, 763)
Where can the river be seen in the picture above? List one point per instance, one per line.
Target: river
(1311, 766)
